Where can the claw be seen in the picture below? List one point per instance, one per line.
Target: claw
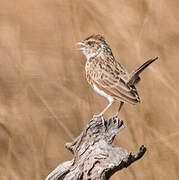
(98, 115)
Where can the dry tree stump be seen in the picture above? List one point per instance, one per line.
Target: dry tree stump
(95, 158)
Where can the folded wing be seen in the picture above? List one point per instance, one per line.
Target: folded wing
(113, 84)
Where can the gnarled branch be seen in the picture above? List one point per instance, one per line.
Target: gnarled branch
(95, 158)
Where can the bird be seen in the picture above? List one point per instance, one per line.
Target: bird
(107, 76)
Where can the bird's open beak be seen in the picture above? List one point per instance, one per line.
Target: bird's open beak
(81, 45)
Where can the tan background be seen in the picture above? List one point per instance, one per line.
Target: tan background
(45, 100)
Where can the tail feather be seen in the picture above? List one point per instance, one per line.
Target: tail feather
(135, 75)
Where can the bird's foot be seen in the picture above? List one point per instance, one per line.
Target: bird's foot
(116, 115)
(98, 115)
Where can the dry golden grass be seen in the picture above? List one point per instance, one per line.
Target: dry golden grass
(45, 100)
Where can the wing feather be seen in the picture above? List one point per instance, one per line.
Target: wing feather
(114, 84)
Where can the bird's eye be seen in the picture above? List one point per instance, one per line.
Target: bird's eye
(90, 43)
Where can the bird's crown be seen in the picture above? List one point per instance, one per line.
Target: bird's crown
(97, 37)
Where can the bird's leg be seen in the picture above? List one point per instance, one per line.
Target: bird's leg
(120, 106)
(105, 109)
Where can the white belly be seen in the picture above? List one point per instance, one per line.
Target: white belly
(102, 93)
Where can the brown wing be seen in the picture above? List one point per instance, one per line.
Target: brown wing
(112, 82)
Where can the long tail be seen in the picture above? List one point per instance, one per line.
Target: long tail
(135, 75)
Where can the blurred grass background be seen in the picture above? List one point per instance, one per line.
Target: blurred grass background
(46, 101)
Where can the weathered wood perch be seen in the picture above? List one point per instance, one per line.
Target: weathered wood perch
(95, 158)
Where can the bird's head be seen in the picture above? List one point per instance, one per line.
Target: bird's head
(92, 46)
